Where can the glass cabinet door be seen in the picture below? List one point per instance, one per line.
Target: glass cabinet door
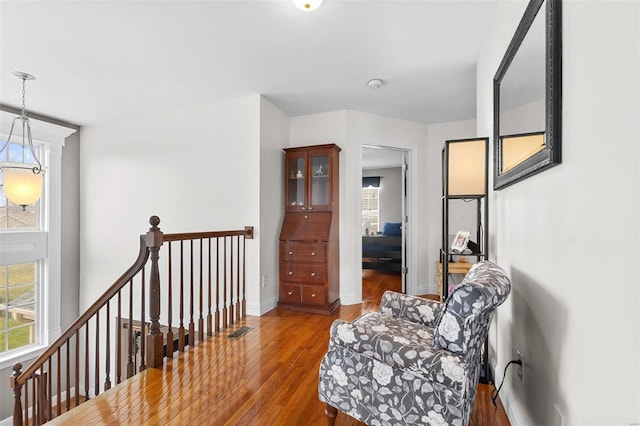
(320, 180)
(296, 182)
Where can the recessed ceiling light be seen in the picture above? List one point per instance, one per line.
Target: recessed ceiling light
(374, 83)
(307, 5)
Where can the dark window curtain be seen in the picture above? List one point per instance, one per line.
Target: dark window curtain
(371, 181)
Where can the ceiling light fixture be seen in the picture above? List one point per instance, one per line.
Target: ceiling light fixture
(22, 180)
(374, 83)
(307, 5)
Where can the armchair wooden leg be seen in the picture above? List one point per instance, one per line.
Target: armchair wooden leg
(330, 413)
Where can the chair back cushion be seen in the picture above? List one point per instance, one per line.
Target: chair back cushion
(465, 320)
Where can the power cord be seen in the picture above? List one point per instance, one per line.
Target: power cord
(504, 375)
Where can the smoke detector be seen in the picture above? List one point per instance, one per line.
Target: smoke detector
(374, 83)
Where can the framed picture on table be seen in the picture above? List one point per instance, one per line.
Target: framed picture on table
(460, 241)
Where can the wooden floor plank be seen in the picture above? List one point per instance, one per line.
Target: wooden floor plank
(267, 377)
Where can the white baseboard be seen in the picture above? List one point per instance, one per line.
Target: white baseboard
(514, 412)
(424, 289)
(263, 308)
(350, 299)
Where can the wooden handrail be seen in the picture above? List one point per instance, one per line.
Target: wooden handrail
(143, 255)
(20, 378)
(156, 341)
(247, 232)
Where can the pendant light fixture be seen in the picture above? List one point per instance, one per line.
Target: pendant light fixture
(307, 5)
(22, 180)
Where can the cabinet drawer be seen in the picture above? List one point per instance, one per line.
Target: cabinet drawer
(290, 293)
(303, 272)
(303, 252)
(313, 295)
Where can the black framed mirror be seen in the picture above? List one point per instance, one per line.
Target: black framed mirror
(527, 97)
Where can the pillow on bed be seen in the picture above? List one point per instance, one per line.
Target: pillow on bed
(391, 228)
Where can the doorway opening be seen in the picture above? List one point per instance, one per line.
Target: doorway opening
(384, 220)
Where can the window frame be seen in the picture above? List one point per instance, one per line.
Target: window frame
(42, 245)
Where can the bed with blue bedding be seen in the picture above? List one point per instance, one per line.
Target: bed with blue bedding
(383, 252)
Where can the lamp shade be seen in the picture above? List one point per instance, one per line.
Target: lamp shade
(22, 186)
(467, 167)
(307, 5)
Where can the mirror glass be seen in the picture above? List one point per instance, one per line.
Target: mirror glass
(517, 149)
(526, 98)
(522, 89)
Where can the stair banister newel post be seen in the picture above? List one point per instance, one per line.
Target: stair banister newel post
(17, 395)
(154, 338)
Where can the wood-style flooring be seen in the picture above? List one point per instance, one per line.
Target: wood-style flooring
(267, 377)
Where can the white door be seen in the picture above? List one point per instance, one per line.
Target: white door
(405, 221)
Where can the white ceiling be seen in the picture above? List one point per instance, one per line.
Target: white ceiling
(98, 61)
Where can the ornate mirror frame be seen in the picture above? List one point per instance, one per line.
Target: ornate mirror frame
(549, 153)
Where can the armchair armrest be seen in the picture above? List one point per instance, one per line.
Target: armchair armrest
(412, 308)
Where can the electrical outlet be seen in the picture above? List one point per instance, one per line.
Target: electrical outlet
(264, 282)
(558, 417)
(520, 357)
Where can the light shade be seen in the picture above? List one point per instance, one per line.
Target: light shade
(307, 5)
(467, 167)
(21, 185)
(22, 180)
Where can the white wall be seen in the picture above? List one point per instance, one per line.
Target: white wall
(350, 130)
(70, 241)
(197, 168)
(274, 135)
(560, 235)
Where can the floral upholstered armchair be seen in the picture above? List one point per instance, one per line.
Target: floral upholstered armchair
(417, 361)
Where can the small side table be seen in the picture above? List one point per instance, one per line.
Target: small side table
(454, 268)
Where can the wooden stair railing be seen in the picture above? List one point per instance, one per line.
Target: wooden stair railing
(211, 267)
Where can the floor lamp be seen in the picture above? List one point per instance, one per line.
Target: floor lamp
(465, 177)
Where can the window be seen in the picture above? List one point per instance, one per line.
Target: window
(370, 210)
(18, 314)
(20, 285)
(370, 204)
(30, 245)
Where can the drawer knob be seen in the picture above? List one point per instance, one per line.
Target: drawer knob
(290, 253)
(303, 209)
(313, 295)
(290, 272)
(290, 293)
(313, 253)
(310, 208)
(306, 217)
(313, 274)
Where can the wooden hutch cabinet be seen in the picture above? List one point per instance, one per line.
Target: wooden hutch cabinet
(309, 249)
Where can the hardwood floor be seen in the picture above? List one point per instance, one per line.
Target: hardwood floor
(267, 377)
